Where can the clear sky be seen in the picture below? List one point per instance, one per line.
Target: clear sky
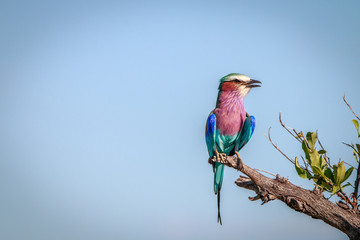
(103, 107)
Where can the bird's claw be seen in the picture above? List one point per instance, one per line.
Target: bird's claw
(223, 158)
(219, 157)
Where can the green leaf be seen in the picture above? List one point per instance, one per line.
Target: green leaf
(311, 155)
(329, 174)
(300, 171)
(323, 162)
(335, 189)
(347, 174)
(339, 173)
(314, 158)
(347, 184)
(356, 123)
(322, 151)
(306, 151)
(311, 138)
(317, 171)
(324, 185)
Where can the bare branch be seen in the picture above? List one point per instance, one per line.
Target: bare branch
(350, 107)
(349, 164)
(275, 146)
(287, 129)
(311, 203)
(351, 147)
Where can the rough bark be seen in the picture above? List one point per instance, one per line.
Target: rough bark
(312, 203)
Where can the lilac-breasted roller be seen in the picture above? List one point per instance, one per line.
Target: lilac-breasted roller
(229, 127)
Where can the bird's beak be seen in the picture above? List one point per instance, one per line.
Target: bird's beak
(253, 83)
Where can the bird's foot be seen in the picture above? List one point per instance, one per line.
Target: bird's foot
(223, 158)
(239, 163)
(220, 157)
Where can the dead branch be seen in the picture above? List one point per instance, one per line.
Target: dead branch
(287, 129)
(311, 203)
(275, 146)
(350, 108)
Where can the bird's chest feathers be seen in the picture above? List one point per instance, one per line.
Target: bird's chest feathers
(230, 113)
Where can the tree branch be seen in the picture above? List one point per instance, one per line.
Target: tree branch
(275, 146)
(350, 108)
(357, 180)
(311, 203)
(356, 186)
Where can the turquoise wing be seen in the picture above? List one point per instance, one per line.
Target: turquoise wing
(246, 133)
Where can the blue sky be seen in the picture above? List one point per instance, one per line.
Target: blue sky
(103, 106)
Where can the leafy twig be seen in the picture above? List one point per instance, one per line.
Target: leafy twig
(351, 147)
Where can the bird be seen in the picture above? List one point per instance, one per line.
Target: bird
(229, 127)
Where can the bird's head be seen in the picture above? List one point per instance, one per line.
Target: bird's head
(238, 82)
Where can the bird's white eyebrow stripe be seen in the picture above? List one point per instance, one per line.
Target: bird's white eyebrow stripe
(239, 77)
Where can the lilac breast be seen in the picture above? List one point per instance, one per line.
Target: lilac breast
(230, 113)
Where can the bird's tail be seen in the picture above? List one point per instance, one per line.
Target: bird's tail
(218, 178)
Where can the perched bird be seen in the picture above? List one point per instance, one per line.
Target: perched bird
(229, 127)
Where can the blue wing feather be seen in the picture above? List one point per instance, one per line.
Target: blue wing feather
(246, 133)
(210, 134)
(211, 137)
